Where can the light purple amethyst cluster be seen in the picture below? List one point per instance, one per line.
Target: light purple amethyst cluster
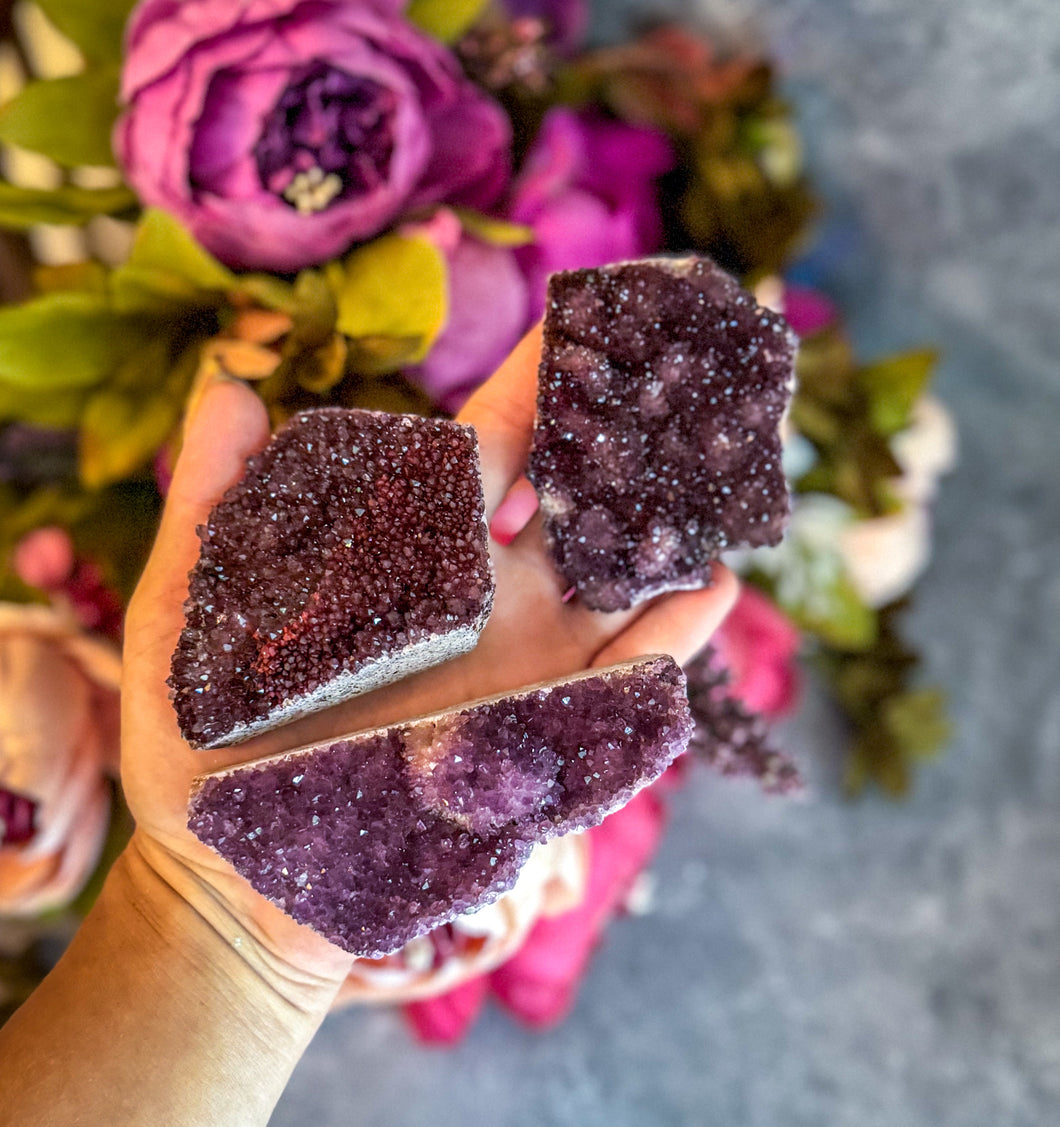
(662, 388)
(352, 552)
(379, 837)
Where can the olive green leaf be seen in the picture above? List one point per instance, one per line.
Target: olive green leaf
(95, 26)
(56, 407)
(318, 370)
(120, 431)
(893, 385)
(446, 20)
(835, 614)
(68, 119)
(392, 301)
(69, 205)
(167, 268)
(125, 422)
(496, 232)
(917, 720)
(313, 309)
(86, 277)
(65, 340)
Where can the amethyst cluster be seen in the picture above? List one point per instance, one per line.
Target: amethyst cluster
(378, 837)
(353, 552)
(656, 448)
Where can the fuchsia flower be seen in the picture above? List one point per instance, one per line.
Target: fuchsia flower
(282, 131)
(488, 312)
(588, 189)
(759, 644)
(807, 311)
(539, 983)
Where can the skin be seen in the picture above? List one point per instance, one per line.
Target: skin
(186, 998)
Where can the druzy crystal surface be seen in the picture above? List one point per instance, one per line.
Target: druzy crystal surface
(376, 838)
(353, 552)
(656, 448)
(728, 736)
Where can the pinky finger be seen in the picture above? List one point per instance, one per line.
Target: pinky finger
(680, 624)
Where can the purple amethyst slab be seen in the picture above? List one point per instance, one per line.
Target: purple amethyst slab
(376, 838)
(352, 553)
(656, 447)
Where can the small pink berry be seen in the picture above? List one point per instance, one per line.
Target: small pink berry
(44, 558)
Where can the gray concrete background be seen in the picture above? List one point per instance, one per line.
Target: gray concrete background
(824, 963)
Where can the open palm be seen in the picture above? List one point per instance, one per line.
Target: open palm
(532, 635)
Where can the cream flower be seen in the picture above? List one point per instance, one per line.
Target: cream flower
(59, 729)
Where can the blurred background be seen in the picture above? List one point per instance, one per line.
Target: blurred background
(864, 963)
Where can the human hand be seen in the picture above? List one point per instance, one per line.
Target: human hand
(532, 635)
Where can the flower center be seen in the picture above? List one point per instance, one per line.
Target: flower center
(329, 136)
(18, 816)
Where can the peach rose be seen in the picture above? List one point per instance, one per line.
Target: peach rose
(59, 729)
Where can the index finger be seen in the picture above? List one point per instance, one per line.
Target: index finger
(502, 412)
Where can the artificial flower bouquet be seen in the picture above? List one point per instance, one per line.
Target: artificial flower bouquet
(358, 202)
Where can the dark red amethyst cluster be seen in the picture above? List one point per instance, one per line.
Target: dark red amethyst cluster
(379, 837)
(353, 552)
(662, 388)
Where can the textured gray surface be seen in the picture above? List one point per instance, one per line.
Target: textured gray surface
(861, 965)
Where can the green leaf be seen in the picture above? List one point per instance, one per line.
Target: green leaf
(167, 268)
(161, 243)
(26, 207)
(313, 310)
(85, 277)
(124, 424)
(835, 614)
(58, 407)
(446, 20)
(876, 757)
(65, 340)
(894, 385)
(95, 26)
(918, 722)
(496, 232)
(392, 301)
(68, 119)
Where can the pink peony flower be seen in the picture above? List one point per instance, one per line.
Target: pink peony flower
(539, 983)
(488, 312)
(58, 740)
(759, 644)
(588, 189)
(282, 131)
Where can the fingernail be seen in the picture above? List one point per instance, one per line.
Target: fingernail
(206, 379)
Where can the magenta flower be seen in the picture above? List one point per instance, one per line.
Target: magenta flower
(808, 311)
(759, 646)
(589, 191)
(488, 312)
(282, 131)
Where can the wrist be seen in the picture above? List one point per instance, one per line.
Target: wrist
(166, 1008)
(275, 963)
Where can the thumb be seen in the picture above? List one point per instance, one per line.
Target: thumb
(227, 424)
